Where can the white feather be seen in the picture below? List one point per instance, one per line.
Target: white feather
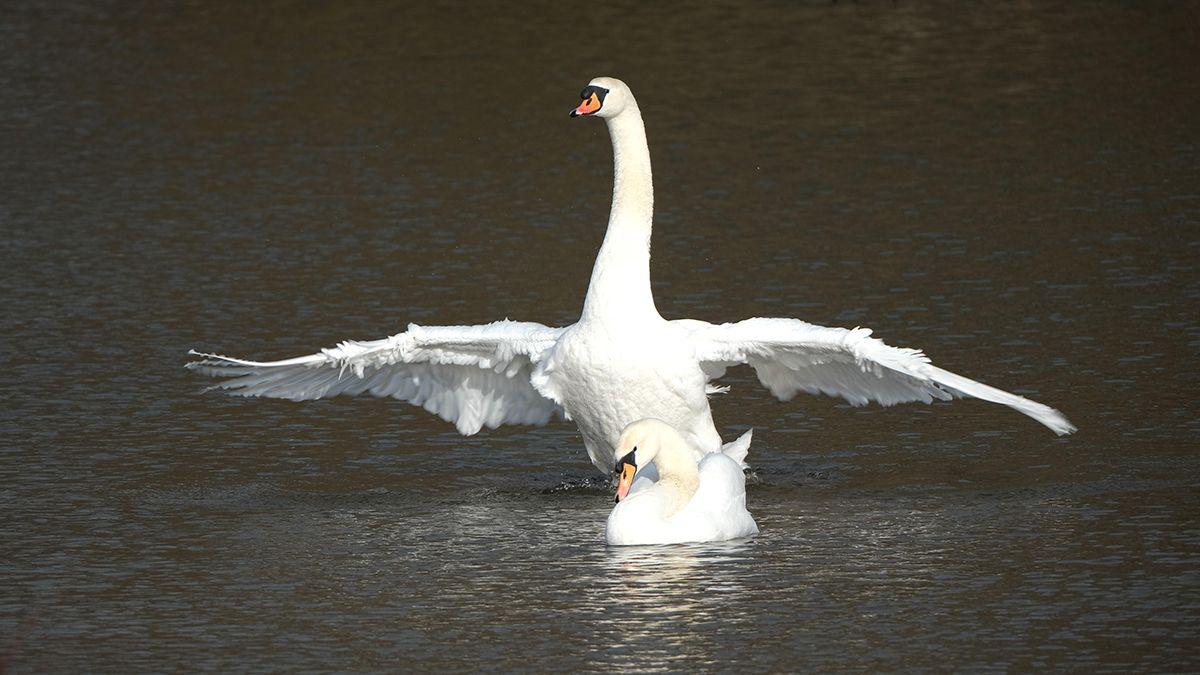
(472, 376)
(791, 356)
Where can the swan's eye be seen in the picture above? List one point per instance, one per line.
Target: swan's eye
(627, 459)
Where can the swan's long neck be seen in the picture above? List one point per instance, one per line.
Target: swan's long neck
(621, 277)
(678, 471)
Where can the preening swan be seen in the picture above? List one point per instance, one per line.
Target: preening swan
(697, 497)
(621, 361)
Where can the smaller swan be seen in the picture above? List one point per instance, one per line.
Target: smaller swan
(696, 497)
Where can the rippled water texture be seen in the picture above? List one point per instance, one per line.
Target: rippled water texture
(1014, 189)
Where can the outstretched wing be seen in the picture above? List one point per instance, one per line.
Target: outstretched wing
(791, 356)
(469, 375)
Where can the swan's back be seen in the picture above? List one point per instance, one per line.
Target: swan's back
(720, 501)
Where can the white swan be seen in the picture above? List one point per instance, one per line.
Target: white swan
(697, 497)
(621, 361)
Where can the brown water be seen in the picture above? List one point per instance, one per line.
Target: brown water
(1015, 189)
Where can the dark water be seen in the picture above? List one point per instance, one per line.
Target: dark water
(1015, 189)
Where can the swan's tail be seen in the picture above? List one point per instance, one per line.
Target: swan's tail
(737, 449)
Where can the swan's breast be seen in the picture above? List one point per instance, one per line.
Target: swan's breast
(604, 374)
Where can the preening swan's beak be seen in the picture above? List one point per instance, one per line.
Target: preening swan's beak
(625, 472)
(588, 106)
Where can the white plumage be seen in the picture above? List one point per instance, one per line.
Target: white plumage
(472, 376)
(791, 356)
(622, 361)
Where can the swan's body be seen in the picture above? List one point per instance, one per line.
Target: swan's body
(696, 497)
(622, 361)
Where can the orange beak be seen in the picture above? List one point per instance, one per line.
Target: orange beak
(588, 106)
(625, 481)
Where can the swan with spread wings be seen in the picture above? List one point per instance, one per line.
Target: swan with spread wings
(622, 361)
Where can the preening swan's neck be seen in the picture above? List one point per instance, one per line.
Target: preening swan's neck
(679, 475)
(620, 282)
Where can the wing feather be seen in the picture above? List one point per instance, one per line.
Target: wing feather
(472, 376)
(790, 356)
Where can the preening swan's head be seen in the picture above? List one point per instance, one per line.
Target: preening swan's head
(603, 97)
(640, 443)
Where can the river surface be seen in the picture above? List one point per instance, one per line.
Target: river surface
(1014, 188)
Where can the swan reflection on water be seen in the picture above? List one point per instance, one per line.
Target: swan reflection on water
(676, 578)
(672, 602)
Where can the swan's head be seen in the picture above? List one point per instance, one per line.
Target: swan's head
(603, 97)
(639, 444)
